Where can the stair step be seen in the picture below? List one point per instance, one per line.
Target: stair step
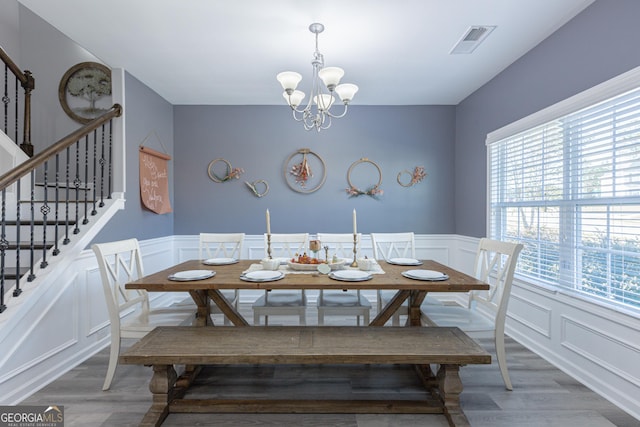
(39, 222)
(10, 273)
(71, 185)
(61, 201)
(27, 246)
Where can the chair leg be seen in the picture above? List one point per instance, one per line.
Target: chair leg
(395, 320)
(256, 318)
(366, 317)
(113, 360)
(320, 317)
(502, 360)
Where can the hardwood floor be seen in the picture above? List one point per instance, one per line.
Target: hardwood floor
(542, 395)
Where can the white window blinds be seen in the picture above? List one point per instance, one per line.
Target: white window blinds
(569, 190)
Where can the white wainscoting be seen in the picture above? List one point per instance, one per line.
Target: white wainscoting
(597, 345)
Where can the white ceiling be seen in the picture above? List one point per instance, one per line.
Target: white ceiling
(216, 52)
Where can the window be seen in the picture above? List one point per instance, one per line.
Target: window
(568, 188)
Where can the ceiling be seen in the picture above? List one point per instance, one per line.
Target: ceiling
(216, 52)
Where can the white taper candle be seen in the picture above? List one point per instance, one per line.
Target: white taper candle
(268, 222)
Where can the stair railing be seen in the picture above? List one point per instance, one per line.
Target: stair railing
(76, 175)
(11, 91)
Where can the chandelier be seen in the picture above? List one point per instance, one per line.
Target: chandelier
(317, 114)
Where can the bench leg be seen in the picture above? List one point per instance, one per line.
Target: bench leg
(450, 387)
(162, 388)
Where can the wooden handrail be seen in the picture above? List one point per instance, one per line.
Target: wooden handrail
(21, 170)
(25, 77)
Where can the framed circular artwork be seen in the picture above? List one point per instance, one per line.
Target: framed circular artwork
(85, 91)
(305, 171)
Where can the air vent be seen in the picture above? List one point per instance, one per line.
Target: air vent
(472, 39)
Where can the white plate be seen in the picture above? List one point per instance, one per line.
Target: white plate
(425, 275)
(220, 261)
(404, 261)
(350, 275)
(192, 275)
(262, 276)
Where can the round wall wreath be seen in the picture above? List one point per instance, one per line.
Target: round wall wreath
(372, 191)
(306, 175)
(415, 177)
(230, 173)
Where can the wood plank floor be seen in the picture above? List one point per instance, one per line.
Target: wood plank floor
(542, 394)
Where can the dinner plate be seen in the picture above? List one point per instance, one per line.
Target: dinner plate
(220, 261)
(430, 275)
(350, 275)
(262, 276)
(183, 276)
(404, 261)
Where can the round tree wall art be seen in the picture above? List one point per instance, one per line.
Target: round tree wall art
(85, 91)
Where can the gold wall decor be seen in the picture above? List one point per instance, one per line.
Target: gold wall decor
(415, 177)
(229, 173)
(305, 171)
(254, 187)
(373, 191)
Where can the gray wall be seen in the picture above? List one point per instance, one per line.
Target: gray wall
(9, 29)
(49, 54)
(147, 115)
(259, 139)
(598, 44)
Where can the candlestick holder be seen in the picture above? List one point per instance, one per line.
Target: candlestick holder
(269, 246)
(355, 250)
(326, 254)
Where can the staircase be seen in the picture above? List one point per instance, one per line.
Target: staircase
(48, 200)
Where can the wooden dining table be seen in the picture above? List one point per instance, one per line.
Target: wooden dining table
(195, 347)
(228, 277)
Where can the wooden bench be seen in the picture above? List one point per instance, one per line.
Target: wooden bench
(165, 347)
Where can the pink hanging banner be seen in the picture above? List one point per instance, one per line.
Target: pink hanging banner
(154, 180)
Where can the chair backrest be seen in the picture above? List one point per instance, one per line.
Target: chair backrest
(393, 245)
(120, 262)
(495, 264)
(340, 244)
(227, 245)
(287, 245)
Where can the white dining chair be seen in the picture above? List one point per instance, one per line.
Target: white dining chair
(222, 245)
(342, 302)
(395, 245)
(486, 311)
(129, 311)
(283, 302)
(387, 246)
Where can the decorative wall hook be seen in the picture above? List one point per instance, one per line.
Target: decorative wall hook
(253, 186)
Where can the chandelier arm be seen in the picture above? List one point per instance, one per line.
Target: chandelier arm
(338, 116)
